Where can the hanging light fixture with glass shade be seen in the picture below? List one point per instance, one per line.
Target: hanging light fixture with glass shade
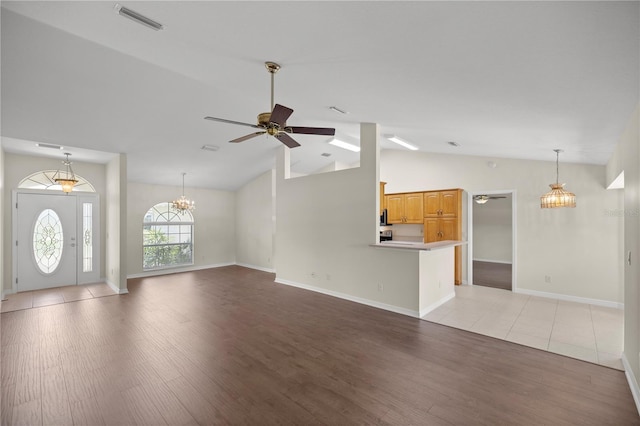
(558, 196)
(66, 179)
(183, 204)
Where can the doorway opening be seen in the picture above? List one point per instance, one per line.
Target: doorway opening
(491, 239)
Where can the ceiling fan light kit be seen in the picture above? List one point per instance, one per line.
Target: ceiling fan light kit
(482, 199)
(274, 123)
(558, 196)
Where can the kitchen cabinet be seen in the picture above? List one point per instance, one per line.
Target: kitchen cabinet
(443, 221)
(405, 207)
(442, 203)
(382, 203)
(440, 229)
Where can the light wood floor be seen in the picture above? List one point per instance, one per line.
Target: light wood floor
(229, 346)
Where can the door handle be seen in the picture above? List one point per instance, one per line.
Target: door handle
(73, 244)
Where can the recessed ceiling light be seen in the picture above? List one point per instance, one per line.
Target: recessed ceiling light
(49, 145)
(401, 142)
(344, 145)
(338, 110)
(135, 16)
(210, 147)
(452, 143)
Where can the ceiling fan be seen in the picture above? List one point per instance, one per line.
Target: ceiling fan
(274, 122)
(481, 199)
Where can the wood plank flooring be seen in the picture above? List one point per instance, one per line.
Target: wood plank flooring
(491, 274)
(229, 346)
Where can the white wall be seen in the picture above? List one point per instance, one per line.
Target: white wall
(578, 247)
(16, 167)
(2, 204)
(492, 238)
(116, 223)
(325, 223)
(255, 222)
(627, 158)
(214, 225)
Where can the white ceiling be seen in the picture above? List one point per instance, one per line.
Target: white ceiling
(503, 79)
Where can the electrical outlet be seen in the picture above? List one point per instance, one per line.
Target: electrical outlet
(328, 277)
(380, 287)
(547, 279)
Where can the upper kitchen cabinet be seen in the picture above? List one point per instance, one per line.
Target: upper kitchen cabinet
(442, 203)
(405, 207)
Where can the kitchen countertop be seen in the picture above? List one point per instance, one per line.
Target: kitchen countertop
(412, 245)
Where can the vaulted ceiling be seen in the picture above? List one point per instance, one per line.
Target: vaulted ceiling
(502, 79)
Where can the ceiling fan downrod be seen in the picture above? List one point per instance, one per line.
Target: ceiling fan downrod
(273, 68)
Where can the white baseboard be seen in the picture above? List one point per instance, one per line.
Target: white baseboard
(492, 261)
(567, 298)
(373, 303)
(116, 289)
(437, 304)
(259, 268)
(633, 383)
(191, 268)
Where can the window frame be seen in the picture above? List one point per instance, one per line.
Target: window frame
(161, 213)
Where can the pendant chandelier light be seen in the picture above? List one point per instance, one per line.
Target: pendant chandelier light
(183, 204)
(558, 196)
(66, 179)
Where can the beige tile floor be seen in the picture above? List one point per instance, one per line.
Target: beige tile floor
(54, 296)
(587, 332)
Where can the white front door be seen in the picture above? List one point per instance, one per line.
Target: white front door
(46, 241)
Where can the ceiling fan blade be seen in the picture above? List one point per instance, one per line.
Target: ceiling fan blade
(249, 136)
(311, 130)
(495, 198)
(287, 140)
(223, 120)
(280, 114)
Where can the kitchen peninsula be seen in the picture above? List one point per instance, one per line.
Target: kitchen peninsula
(436, 274)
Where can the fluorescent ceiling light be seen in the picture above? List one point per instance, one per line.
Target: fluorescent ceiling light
(344, 145)
(135, 16)
(395, 139)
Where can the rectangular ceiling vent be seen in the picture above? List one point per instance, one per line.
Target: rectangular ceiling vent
(49, 145)
(141, 19)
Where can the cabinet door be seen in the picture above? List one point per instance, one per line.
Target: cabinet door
(449, 203)
(413, 212)
(395, 208)
(448, 229)
(431, 230)
(431, 204)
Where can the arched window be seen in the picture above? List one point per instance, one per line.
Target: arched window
(44, 180)
(167, 238)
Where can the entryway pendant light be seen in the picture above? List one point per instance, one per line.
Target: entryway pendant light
(558, 196)
(66, 179)
(183, 204)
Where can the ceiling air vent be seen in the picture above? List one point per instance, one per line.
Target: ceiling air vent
(135, 16)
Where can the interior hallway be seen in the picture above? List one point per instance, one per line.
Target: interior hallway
(587, 332)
